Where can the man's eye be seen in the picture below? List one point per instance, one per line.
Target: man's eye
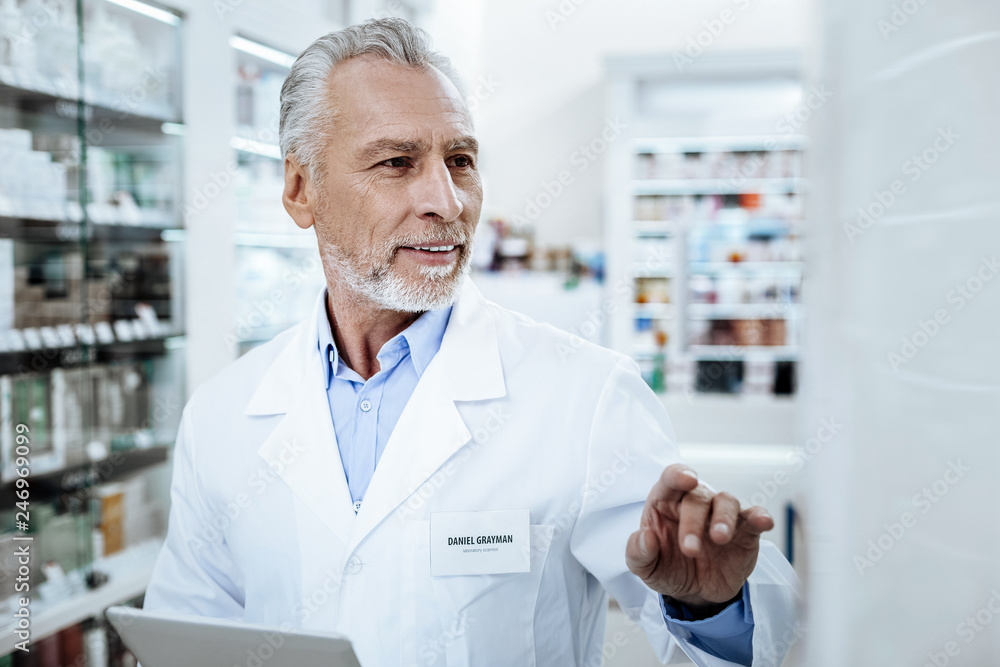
(461, 161)
(397, 162)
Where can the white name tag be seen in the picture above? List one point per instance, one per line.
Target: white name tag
(487, 542)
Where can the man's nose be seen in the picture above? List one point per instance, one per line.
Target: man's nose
(435, 196)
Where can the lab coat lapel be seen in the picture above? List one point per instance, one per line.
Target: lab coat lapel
(430, 429)
(302, 449)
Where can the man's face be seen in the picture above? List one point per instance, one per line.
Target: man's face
(400, 178)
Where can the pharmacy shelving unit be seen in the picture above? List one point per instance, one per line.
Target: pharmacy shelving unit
(92, 334)
(703, 220)
(278, 270)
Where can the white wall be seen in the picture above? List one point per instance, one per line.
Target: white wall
(895, 575)
(545, 62)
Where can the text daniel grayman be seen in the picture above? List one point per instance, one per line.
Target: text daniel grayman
(482, 539)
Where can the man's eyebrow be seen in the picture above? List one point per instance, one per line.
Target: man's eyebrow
(463, 143)
(373, 150)
(380, 147)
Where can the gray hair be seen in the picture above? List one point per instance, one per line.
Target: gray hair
(306, 117)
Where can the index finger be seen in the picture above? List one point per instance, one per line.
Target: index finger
(675, 481)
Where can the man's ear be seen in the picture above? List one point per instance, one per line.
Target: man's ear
(299, 195)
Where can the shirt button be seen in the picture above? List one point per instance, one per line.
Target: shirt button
(353, 565)
(366, 405)
(357, 506)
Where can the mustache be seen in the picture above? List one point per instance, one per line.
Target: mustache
(456, 235)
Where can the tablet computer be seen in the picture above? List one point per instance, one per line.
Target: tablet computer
(165, 640)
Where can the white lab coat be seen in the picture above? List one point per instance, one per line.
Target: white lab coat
(509, 414)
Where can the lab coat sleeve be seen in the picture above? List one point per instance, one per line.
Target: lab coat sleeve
(631, 442)
(194, 573)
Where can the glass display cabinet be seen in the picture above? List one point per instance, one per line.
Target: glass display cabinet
(91, 312)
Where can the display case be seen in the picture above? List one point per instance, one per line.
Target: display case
(91, 312)
(278, 270)
(723, 215)
(705, 222)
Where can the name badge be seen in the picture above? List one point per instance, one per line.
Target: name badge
(487, 542)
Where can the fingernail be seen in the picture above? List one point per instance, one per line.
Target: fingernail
(690, 473)
(691, 543)
(722, 528)
(643, 548)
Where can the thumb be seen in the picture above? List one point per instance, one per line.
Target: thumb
(641, 553)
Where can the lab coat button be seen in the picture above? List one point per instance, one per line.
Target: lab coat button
(353, 565)
(366, 405)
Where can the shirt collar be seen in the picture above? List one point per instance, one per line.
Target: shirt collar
(422, 338)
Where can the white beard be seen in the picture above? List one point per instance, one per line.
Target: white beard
(438, 286)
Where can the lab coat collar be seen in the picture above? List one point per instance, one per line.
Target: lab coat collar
(422, 339)
(469, 349)
(429, 431)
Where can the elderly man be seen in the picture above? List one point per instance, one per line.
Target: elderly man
(417, 468)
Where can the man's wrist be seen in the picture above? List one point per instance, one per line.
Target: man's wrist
(701, 610)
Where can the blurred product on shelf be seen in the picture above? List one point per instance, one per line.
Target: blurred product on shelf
(729, 288)
(126, 186)
(504, 247)
(49, 289)
(121, 56)
(133, 186)
(751, 164)
(723, 377)
(68, 570)
(654, 368)
(741, 333)
(129, 60)
(76, 415)
(32, 183)
(51, 51)
(711, 205)
(652, 290)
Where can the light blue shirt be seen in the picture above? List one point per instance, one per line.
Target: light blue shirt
(365, 413)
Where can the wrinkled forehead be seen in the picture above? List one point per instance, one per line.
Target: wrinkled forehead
(374, 97)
